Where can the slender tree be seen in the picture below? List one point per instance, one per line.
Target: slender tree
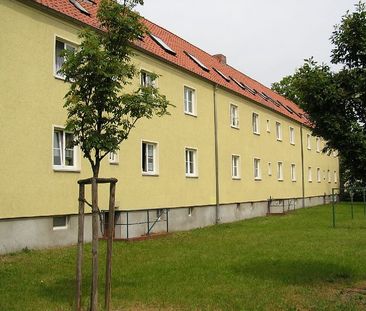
(336, 101)
(100, 114)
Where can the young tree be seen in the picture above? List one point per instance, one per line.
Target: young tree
(100, 114)
(335, 101)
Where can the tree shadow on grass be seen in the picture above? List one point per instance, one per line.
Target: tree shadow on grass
(294, 272)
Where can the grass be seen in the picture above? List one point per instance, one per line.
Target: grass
(293, 262)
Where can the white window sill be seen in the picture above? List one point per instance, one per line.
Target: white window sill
(257, 133)
(234, 127)
(66, 169)
(292, 144)
(258, 178)
(294, 180)
(191, 176)
(279, 139)
(190, 114)
(114, 163)
(310, 181)
(151, 174)
(236, 178)
(58, 77)
(280, 179)
(59, 228)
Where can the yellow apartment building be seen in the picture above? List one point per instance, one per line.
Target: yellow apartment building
(231, 148)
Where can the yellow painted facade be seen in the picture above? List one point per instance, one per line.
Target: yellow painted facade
(31, 105)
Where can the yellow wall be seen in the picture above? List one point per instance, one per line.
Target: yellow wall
(31, 103)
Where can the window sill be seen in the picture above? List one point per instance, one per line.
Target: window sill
(235, 127)
(66, 169)
(257, 133)
(236, 178)
(58, 77)
(190, 114)
(280, 180)
(59, 228)
(294, 180)
(279, 139)
(192, 176)
(114, 163)
(292, 144)
(258, 178)
(150, 174)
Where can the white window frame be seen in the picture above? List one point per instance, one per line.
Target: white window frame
(292, 135)
(194, 151)
(256, 123)
(308, 141)
(155, 158)
(278, 131)
(113, 157)
(186, 102)
(329, 176)
(310, 174)
(293, 172)
(280, 171)
(66, 226)
(235, 157)
(318, 175)
(66, 43)
(149, 82)
(318, 144)
(234, 116)
(257, 169)
(63, 167)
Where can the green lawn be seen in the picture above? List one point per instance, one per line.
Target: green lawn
(292, 262)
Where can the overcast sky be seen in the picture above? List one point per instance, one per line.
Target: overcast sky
(264, 39)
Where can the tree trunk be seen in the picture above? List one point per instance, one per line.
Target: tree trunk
(79, 265)
(95, 230)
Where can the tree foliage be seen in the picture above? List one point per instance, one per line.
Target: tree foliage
(100, 114)
(335, 101)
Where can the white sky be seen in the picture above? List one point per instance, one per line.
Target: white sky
(264, 39)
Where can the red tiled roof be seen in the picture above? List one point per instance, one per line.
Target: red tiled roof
(181, 46)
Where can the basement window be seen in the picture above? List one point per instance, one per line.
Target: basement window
(60, 222)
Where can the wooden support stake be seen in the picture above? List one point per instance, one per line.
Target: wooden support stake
(79, 264)
(112, 196)
(95, 233)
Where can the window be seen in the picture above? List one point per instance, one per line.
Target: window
(269, 169)
(113, 157)
(146, 79)
(278, 131)
(293, 172)
(148, 159)
(317, 144)
(329, 177)
(60, 46)
(234, 116)
(310, 177)
(190, 211)
(280, 171)
(60, 222)
(335, 177)
(255, 123)
(64, 151)
(189, 101)
(235, 167)
(318, 175)
(191, 162)
(257, 169)
(268, 126)
(292, 136)
(308, 141)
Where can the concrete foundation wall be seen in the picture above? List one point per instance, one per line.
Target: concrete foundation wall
(36, 233)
